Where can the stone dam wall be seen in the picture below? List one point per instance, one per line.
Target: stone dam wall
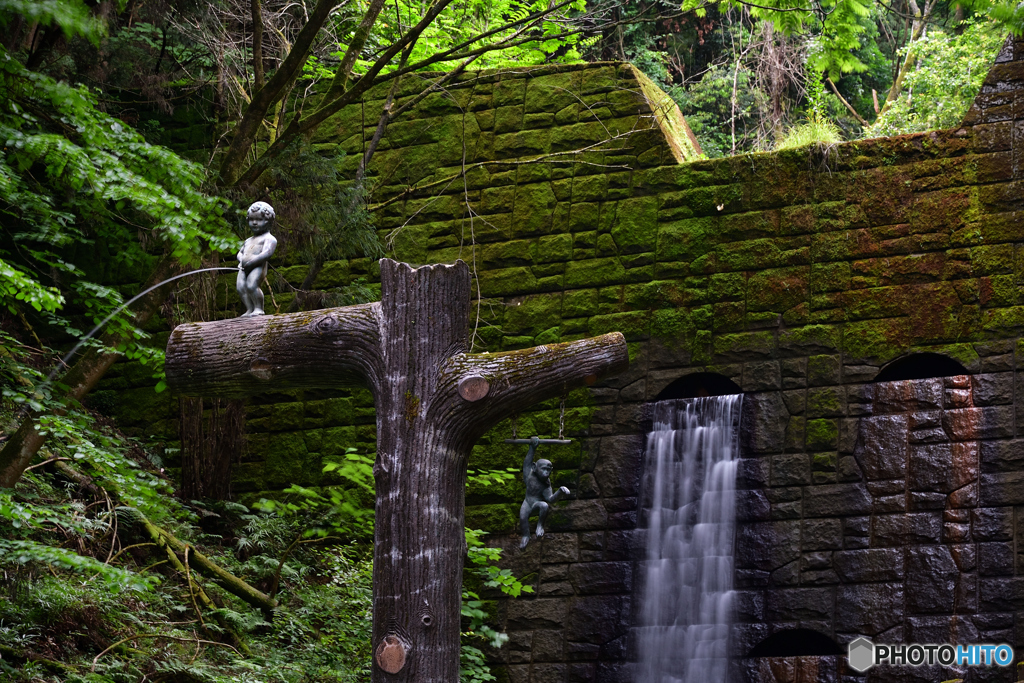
(886, 509)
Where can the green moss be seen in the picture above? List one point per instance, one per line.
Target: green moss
(685, 240)
(531, 314)
(580, 303)
(822, 435)
(636, 225)
(634, 324)
(593, 273)
(745, 345)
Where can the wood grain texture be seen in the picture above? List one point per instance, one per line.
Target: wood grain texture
(411, 349)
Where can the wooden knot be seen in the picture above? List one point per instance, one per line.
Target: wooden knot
(325, 324)
(261, 369)
(473, 387)
(391, 654)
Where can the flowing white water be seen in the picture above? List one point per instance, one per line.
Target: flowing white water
(689, 500)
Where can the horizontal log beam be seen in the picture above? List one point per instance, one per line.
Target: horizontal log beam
(240, 357)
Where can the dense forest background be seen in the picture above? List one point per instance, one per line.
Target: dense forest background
(119, 567)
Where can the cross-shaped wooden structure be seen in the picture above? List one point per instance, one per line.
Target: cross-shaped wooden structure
(433, 400)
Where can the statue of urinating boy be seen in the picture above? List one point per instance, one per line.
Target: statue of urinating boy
(253, 258)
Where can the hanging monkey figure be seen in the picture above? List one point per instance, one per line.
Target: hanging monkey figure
(539, 497)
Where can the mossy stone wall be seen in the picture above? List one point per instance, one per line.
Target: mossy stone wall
(796, 274)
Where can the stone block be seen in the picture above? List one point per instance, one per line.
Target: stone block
(992, 389)
(823, 370)
(790, 470)
(836, 500)
(1002, 488)
(881, 453)
(995, 559)
(592, 578)
(897, 530)
(763, 425)
(767, 545)
(797, 604)
(619, 464)
(821, 534)
(992, 524)
(547, 646)
(597, 619)
(942, 467)
(869, 565)
(538, 613)
(1002, 456)
(868, 609)
(931, 580)
(966, 424)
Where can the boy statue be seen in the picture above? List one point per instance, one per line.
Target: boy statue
(253, 258)
(539, 497)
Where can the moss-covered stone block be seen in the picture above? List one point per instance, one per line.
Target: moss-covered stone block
(283, 455)
(531, 314)
(580, 303)
(728, 286)
(507, 254)
(593, 273)
(524, 143)
(508, 120)
(826, 401)
(830, 277)
(500, 518)
(553, 248)
(506, 281)
(822, 435)
(332, 274)
(685, 240)
(634, 325)
(811, 339)
(534, 205)
(636, 225)
(509, 91)
(744, 345)
(777, 289)
(876, 341)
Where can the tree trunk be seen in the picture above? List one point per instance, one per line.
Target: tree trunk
(90, 367)
(208, 447)
(433, 402)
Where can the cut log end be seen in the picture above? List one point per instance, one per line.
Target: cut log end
(473, 388)
(391, 654)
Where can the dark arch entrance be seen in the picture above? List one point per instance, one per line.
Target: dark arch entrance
(920, 366)
(699, 384)
(796, 642)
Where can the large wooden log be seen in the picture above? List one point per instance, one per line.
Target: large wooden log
(433, 401)
(245, 356)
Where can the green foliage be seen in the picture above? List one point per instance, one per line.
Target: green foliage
(949, 71)
(75, 180)
(71, 16)
(539, 43)
(818, 129)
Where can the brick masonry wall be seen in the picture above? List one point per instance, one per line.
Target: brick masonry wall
(798, 275)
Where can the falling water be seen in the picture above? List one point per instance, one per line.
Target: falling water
(689, 500)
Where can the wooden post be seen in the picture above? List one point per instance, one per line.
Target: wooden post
(433, 402)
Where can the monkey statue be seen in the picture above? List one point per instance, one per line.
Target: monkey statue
(539, 497)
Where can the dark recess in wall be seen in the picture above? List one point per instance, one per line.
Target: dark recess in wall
(921, 366)
(699, 384)
(796, 642)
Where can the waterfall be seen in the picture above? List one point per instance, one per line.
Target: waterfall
(689, 502)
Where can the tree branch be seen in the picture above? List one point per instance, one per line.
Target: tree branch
(240, 357)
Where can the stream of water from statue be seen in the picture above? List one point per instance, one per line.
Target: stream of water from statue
(689, 502)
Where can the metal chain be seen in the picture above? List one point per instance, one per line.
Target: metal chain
(515, 418)
(561, 418)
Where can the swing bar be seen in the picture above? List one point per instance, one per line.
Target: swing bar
(539, 441)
